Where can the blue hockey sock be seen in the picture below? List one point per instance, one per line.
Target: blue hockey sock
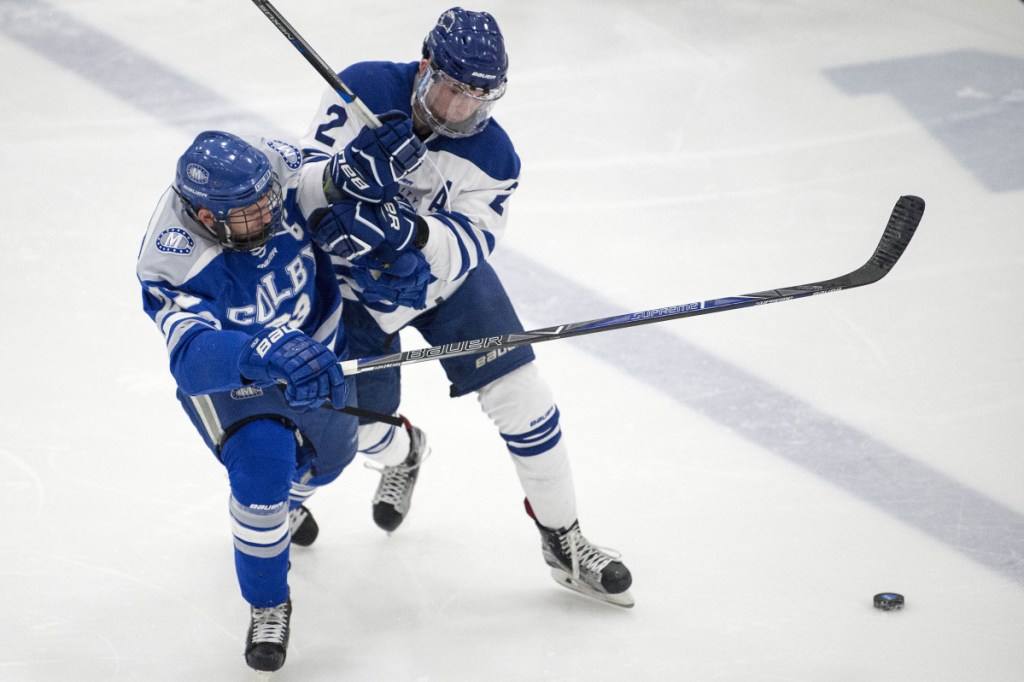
(260, 459)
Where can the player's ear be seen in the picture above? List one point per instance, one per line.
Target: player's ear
(205, 216)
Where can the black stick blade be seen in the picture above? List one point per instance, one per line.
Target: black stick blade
(903, 222)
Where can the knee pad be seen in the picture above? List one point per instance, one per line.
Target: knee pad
(260, 459)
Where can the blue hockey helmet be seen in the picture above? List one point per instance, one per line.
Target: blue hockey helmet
(469, 47)
(234, 181)
(466, 74)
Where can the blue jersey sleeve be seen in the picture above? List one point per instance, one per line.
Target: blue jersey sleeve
(203, 358)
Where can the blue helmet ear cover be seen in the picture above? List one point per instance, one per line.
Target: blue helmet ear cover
(469, 47)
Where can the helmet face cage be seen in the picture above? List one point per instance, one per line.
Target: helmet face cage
(249, 227)
(452, 108)
(467, 73)
(235, 182)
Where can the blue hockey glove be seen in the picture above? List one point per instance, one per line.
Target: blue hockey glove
(370, 167)
(391, 277)
(351, 228)
(309, 368)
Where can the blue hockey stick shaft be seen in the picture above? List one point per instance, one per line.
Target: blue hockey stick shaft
(903, 222)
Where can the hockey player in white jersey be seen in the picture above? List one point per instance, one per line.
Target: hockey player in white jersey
(250, 312)
(453, 208)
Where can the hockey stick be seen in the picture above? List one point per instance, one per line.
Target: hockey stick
(346, 94)
(366, 414)
(906, 216)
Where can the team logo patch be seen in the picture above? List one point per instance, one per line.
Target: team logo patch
(291, 155)
(246, 392)
(175, 240)
(197, 174)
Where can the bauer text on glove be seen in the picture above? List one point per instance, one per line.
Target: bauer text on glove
(370, 167)
(308, 368)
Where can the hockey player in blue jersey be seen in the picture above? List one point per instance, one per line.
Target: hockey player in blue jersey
(250, 311)
(453, 208)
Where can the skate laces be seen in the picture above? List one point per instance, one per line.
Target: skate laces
(392, 484)
(395, 479)
(584, 554)
(270, 624)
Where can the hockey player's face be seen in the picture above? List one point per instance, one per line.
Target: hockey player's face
(452, 101)
(246, 228)
(250, 220)
(452, 108)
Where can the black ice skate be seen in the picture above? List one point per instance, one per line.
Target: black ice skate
(303, 526)
(581, 566)
(393, 499)
(266, 645)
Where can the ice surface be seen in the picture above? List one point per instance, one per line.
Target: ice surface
(764, 472)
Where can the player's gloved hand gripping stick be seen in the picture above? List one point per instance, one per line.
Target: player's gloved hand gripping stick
(371, 165)
(308, 368)
(392, 143)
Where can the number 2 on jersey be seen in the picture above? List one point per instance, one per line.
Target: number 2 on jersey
(336, 118)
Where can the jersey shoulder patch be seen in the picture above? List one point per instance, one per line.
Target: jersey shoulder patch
(288, 152)
(171, 252)
(174, 240)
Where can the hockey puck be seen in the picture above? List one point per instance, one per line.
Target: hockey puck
(889, 601)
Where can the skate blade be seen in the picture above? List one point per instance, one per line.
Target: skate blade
(264, 675)
(623, 599)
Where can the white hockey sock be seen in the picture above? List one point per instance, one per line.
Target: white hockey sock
(521, 406)
(385, 444)
(547, 482)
